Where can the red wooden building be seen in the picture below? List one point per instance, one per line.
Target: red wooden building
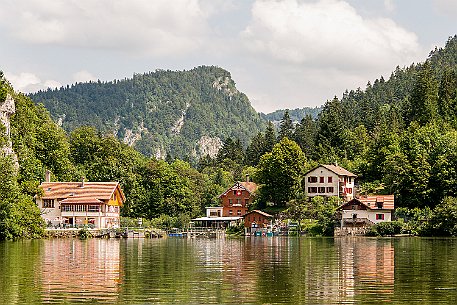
(257, 219)
(236, 199)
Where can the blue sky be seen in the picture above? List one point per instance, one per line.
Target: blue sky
(281, 53)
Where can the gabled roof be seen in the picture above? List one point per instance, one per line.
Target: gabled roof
(352, 202)
(75, 190)
(340, 171)
(251, 187)
(84, 199)
(388, 201)
(370, 202)
(259, 212)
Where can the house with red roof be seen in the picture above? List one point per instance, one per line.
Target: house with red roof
(329, 180)
(79, 203)
(367, 210)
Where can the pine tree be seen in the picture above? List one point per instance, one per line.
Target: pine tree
(286, 127)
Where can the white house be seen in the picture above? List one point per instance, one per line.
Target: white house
(79, 203)
(330, 180)
(365, 211)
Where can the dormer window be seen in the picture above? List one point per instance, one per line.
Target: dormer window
(380, 205)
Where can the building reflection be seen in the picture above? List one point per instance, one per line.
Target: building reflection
(74, 270)
(367, 268)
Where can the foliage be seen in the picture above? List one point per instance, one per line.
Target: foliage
(168, 110)
(444, 218)
(235, 230)
(387, 228)
(84, 233)
(280, 173)
(415, 221)
(19, 216)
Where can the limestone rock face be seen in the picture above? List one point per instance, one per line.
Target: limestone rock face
(7, 109)
(208, 146)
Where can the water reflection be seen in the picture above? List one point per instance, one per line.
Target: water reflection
(367, 269)
(74, 270)
(254, 270)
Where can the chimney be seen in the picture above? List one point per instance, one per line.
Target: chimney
(47, 176)
(247, 177)
(82, 181)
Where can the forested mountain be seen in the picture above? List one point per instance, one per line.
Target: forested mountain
(296, 115)
(398, 134)
(162, 113)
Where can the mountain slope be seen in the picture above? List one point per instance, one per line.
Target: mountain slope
(177, 113)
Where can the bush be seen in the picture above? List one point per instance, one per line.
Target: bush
(386, 228)
(84, 233)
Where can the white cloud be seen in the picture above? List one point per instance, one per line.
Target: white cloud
(158, 27)
(83, 76)
(28, 82)
(327, 34)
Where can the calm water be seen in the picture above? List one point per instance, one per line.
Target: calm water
(258, 270)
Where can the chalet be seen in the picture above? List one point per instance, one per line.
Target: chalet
(234, 205)
(236, 199)
(330, 180)
(78, 203)
(366, 211)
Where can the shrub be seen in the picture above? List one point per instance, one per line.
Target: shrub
(386, 228)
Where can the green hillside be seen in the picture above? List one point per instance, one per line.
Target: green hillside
(178, 113)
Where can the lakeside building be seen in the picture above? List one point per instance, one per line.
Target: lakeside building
(367, 210)
(330, 180)
(234, 201)
(79, 203)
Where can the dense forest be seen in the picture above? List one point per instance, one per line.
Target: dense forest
(296, 115)
(161, 113)
(398, 135)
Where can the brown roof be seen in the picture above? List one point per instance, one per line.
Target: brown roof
(259, 212)
(340, 171)
(250, 186)
(96, 190)
(388, 201)
(370, 202)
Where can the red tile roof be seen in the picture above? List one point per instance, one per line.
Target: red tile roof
(250, 186)
(95, 190)
(388, 201)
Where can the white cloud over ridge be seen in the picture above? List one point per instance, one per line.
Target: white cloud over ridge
(27, 82)
(327, 33)
(158, 27)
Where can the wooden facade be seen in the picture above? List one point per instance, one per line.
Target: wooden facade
(257, 219)
(236, 199)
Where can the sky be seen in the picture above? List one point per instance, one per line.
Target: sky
(281, 53)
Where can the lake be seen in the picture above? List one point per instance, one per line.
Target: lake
(252, 270)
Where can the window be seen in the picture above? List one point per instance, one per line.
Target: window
(354, 207)
(329, 179)
(312, 190)
(321, 190)
(234, 193)
(238, 212)
(249, 218)
(230, 202)
(330, 189)
(48, 203)
(312, 179)
(238, 201)
(348, 190)
(321, 179)
(94, 208)
(380, 205)
(230, 212)
(246, 201)
(379, 216)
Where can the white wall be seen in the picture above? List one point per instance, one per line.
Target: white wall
(368, 214)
